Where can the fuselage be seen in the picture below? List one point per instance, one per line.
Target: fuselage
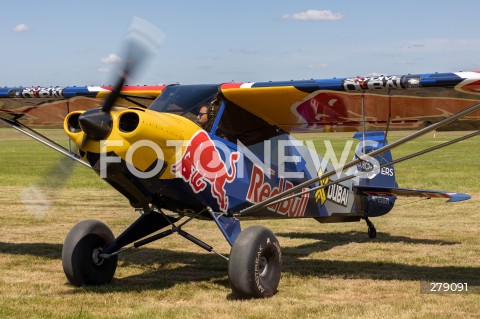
(160, 156)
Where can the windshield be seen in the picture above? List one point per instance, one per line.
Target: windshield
(184, 100)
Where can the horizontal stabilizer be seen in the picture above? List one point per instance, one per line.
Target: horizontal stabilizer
(393, 191)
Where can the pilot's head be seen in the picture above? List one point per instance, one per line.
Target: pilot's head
(202, 117)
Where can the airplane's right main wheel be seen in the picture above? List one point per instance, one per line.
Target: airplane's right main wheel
(255, 263)
(80, 254)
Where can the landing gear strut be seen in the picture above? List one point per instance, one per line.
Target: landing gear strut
(90, 252)
(372, 232)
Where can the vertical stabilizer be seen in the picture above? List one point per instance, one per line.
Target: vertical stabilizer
(378, 203)
(373, 141)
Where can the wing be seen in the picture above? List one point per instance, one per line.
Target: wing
(406, 101)
(394, 191)
(40, 106)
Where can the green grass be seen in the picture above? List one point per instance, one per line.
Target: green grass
(24, 162)
(329, 270)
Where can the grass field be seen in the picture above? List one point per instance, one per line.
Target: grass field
(329, 270)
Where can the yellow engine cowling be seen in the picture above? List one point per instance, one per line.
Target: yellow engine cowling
(140, 137)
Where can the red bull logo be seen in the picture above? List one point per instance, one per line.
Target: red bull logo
(259, 191)
(323, 109)
(201, 163)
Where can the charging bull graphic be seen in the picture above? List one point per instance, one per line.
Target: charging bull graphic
(201, 163)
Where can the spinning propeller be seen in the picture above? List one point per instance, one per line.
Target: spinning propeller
(143, 40)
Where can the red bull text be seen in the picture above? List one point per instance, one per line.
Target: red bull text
(259, 190)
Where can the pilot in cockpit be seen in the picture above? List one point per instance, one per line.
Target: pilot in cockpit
(203, 116)
(207, 113)
(206, 117)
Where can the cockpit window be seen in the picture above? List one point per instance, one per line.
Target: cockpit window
(184, 100)
(239, 124)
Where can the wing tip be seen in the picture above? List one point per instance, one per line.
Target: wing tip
(458, 197)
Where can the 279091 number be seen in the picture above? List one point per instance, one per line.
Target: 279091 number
(448, 286)
(444, 287)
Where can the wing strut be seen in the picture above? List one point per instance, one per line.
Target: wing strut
(282, 196)
(363, 121)
(387, 129)
(44, 140)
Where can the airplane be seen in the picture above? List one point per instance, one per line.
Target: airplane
(241, 163)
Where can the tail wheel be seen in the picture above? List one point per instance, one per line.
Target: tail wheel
(80, 254)
(255, 263)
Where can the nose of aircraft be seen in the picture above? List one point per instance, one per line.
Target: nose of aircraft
(96, 124)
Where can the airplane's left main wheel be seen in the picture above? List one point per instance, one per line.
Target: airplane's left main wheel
(255, 263)
(80, 254)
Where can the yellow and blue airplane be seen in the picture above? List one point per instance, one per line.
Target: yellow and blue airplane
(224, 152)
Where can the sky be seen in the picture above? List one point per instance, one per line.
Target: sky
(67, 43)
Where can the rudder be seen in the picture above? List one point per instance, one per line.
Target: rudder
(374, 141)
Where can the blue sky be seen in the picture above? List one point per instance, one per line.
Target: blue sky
(211, 41)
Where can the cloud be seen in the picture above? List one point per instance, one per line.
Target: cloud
(21, 28)
(103, 70)
(111, 58)
(314, 15)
